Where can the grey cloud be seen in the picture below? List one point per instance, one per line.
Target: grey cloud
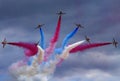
(13, 9)
(89, 61)
(90, 75)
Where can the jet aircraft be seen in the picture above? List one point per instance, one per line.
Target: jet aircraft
(79, 25)
(4, 42)
(87, 39)
(39, 26)
(60, 13)
(114, 42)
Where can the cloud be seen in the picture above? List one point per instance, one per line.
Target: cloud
(84, 62)
(89, 75)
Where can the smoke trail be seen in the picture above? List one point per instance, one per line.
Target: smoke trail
(88, 46)
(34, 72)
(49, 51)
(66, 39)
(67, 50)
(56, 34)
(42, 43)
(53, 41)
(40, 56)
(31, 48)
(43, 72)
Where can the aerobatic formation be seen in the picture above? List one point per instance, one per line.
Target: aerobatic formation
(40, 61)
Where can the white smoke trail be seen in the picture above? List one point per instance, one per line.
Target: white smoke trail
(34, 72)
(67, 49)
(38, 70)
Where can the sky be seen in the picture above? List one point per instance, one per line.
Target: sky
(100, 18)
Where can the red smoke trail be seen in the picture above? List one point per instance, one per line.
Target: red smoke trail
(53, 41)
(31, 47)
(88, 46)
(56, 34)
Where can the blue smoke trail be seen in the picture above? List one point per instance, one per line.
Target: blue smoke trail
(66, 39)
(42, 42)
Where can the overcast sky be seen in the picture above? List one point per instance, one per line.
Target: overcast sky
(101, 19)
